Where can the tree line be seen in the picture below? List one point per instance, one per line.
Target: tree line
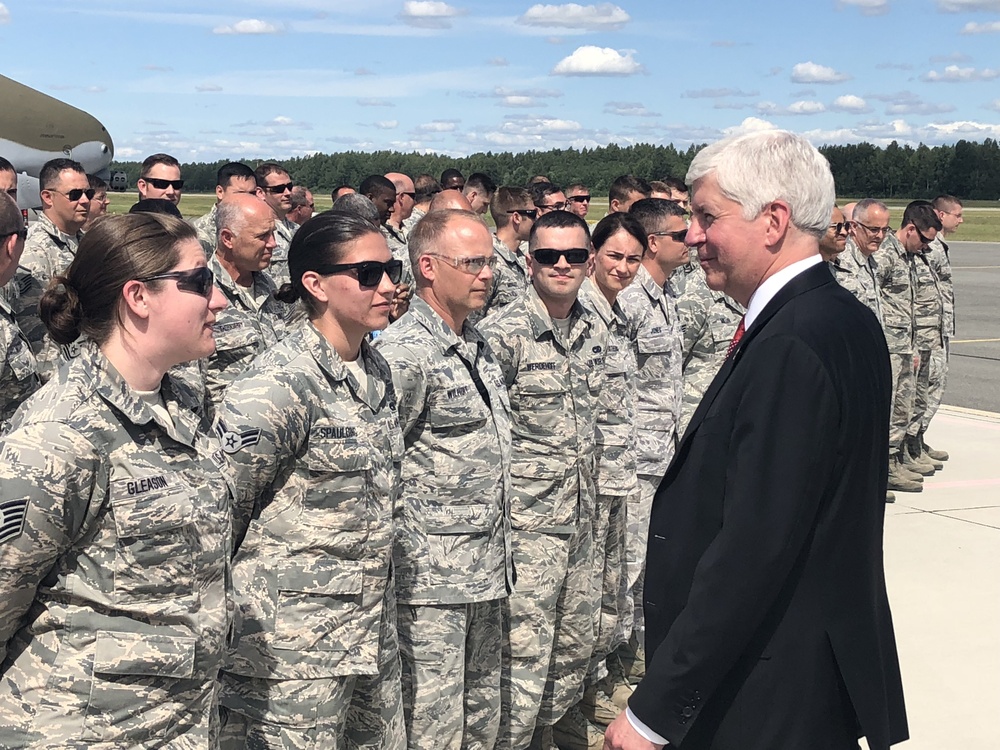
(967, 169)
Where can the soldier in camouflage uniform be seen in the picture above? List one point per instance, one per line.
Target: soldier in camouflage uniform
(928, 334)
(708, 322)
(18, 371)
(115, 535)
(894, 261)
(651, 303)
(551, 350)
(513, 214)
(858, 259)
(50, 248)
(425, 187)
(233, 178)
(382, 193)
(452, 546)
(619, 244)
(312, 445)
(254, 320)
(274, 187)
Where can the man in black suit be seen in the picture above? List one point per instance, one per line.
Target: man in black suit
(767, 621)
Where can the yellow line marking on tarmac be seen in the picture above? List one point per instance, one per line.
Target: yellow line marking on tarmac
(972, 268)
(974, 341)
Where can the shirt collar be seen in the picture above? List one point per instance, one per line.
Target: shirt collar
(773, 284)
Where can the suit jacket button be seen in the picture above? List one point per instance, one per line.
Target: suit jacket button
(688, 712)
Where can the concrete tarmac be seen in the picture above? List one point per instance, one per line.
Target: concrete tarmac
(942, 560)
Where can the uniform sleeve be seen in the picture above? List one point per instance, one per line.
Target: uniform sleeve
(505, 351)
(409, 382)
(49, 476)
(262, 423)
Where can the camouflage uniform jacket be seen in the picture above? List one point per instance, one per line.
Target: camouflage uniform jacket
(659, 350)
(252, 322)
(554, 387)
(616, 434)
(400, 251)
(411, 222)
(452, 523)
(48, 251)
(708, 322)
(928, 305)
(314, 457)
(937, 254)
(18, 372)
(205, 227)
(860, 278)
(895, 279)
(284, 230)
(114, 567)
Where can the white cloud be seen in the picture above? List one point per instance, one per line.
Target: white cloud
(438, 126)
(749, 125)
(369, 102)
(574, 16)
(429, 14)
(810, 72)
(517, 101)
(386, 124)
(959, 6)
(4, 14)
(248, 26)
(867, 7)
(993, 27)
(716, 93)
(207, 87)
(955, 74)
(994, 105)
(806, 108)
(964, 129)
(597, 61)
(628, 109)
(850, 103)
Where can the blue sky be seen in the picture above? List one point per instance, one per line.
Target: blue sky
(214, 79)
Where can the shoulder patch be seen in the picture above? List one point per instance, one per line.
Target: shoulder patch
(12, 514)
(233, 442)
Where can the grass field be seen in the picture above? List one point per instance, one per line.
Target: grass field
(982, 218)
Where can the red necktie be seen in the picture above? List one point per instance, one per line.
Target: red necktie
(736, 339)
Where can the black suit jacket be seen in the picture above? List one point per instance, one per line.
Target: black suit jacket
(767, 622)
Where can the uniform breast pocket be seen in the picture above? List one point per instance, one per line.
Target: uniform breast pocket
(235, 341)
(318, 601)
(153, 520)
(21, 360)
(541, 398)
(338, 485)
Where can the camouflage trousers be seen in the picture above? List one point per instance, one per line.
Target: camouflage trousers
(938, 378)
(609, 579)
(551, 630)
(921, 392)
(451, 661)
(354, 712)
(902, 398)
(640, 505)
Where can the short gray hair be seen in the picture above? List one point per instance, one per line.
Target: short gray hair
(359, 205)
(756, 168)
(862, 207)
(228, 215)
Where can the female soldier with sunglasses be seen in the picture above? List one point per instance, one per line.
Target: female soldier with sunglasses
(313, 445)
(115, 523)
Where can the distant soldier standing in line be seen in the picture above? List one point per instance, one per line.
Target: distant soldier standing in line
(18, 371)
(274, 187)
(233, 178)
(551, 349)
(452, 546)
(513, 214)
(311, 442)
(865, 234)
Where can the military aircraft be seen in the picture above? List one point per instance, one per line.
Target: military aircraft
(35, 127)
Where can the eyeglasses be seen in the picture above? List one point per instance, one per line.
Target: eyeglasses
(579, 198)
(950, 213)
(370, 272)
(278, 189)
(841, 226)
(552, 206)
(164, 184)
(872, 230)
(22, 233)
(75, 194)
(677, 236)
(198, 280)
(473, 266)
(548, 256)
(530, 213)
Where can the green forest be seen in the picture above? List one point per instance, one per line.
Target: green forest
(966, 169)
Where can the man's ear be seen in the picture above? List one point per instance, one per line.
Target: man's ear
(778, 215)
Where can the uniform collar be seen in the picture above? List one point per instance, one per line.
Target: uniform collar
(331, 363)
(541, 321)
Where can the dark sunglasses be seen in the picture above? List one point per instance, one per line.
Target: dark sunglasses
(22, 233)
(276, 189)
(549, 256)
(370, 272)
(841, 226)
(579, 198)
(76, 194)
(923, 239)
(12, 192)
(198, 280)
(677, 236)
(531, 213)
(164, 184)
